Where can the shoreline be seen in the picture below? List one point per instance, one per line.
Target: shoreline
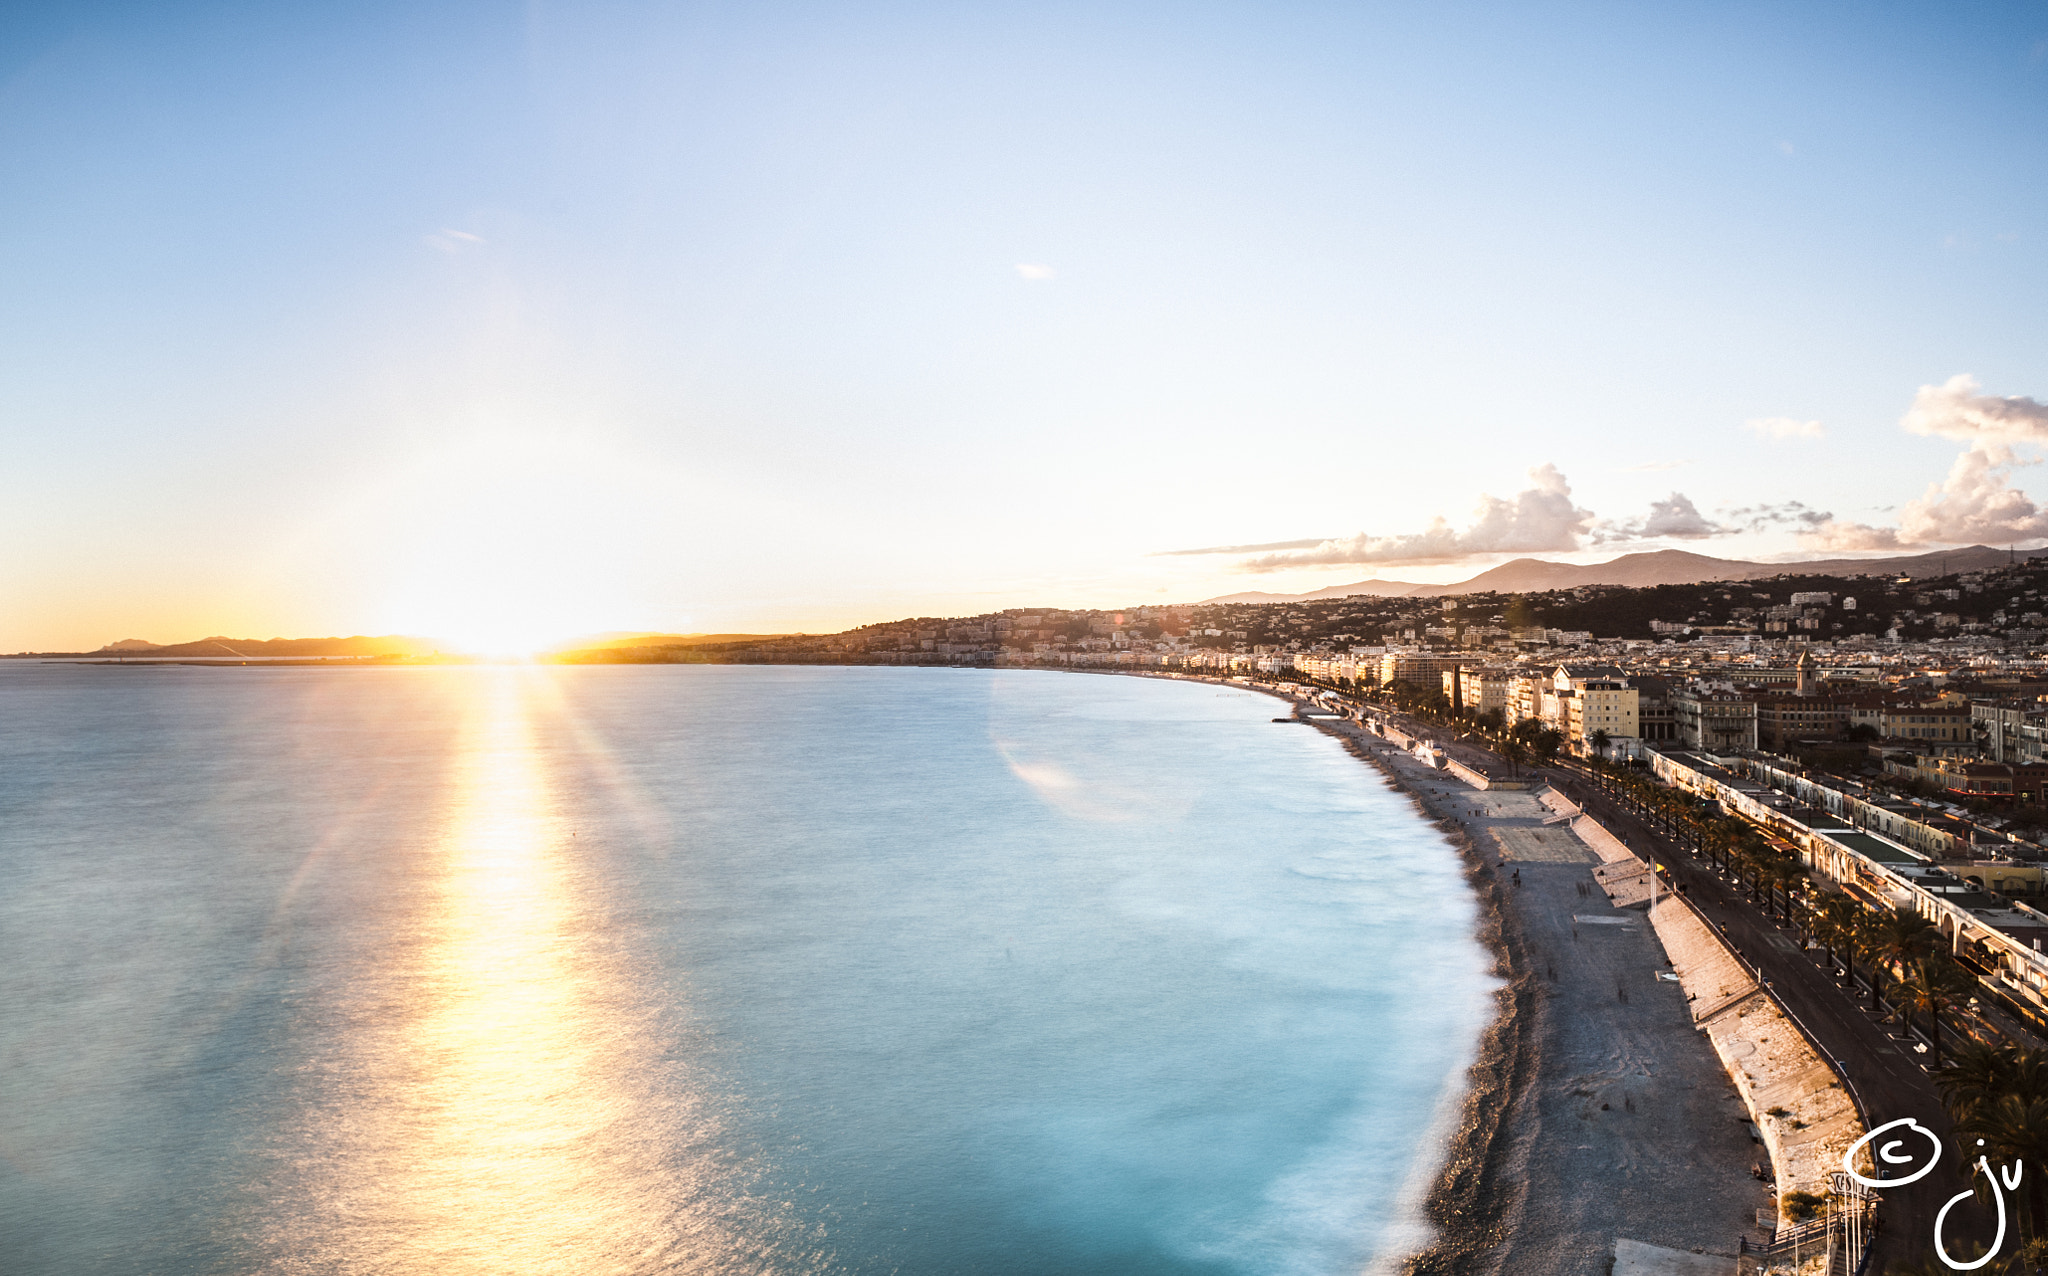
(1539, 1175)
(1471, 1205)
(1473, 1201)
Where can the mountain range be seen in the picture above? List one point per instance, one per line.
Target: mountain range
(1658, 567)
(389, 645)
(305, 648)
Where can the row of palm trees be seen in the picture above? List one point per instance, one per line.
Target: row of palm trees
(1899, 946)
(1903, 955)
(1768, 871)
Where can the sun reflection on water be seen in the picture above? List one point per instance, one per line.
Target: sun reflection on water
(510, 1103)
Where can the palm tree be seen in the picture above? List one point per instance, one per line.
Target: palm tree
(1895, 938)
(1929, 984)
(1839, 920)
(1513, 752)
(2014, 1128)
(1750, 855)
(1785, 875)
(1976, 1073)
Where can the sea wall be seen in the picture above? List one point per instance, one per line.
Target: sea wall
(1480, 780)
(1795, 1099)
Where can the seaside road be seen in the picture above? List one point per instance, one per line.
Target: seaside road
(1631, 1129)
(1886, 1075)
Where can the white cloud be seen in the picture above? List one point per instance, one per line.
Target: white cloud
(452, 241)
(1976, 501)
(1034, 271)
(1836, 534)
(1308, 542)
(1954, 410)
(1783, 427)
(1787, 150)
(1756, 518)
(1675, 517)
(1541, 517)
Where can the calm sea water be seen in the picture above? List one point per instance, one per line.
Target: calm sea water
(709, 970)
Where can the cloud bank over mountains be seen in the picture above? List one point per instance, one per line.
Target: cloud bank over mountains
(1540, 517)
(1975, 503)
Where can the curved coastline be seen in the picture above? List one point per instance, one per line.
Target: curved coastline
(1472, 1207)
(1588, 1124)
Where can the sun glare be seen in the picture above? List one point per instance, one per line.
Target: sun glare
(514, 546)
(501, 641)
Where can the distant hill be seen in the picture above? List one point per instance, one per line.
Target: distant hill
(669, 640)
(389, 645)
(1659, 567)
(1377, 588)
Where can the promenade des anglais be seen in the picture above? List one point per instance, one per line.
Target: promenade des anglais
(1023, 639)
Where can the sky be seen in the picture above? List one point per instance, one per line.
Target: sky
(506, 322)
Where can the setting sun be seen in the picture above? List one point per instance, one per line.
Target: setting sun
(501, 640)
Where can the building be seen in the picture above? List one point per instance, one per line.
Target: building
(1418, 667)
(1526, 692)
(1656, 721)
(1718, 720)
(1592, 699)
(1934, 727)
(1782, 719)
(2010, 730)
(1478, 691)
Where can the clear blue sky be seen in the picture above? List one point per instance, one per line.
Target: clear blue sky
(481, 318)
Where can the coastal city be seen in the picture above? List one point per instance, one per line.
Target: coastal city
(658, 639)
(1860, 763)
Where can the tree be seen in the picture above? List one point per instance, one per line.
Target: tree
(1976, 1073)
(1800, 1206)
(1600, 742)
(1930, 985)
(1897, 937)
(1780, 873)
(1543, 741)
(2014, 1127)
(1513, 752)
(1840, 922)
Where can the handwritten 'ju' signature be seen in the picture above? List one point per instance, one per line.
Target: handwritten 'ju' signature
(1888, 1153)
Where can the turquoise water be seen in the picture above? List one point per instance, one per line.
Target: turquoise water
(689, 969)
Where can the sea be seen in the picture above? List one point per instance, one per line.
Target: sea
(712, 969)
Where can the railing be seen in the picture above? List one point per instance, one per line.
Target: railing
(1787, 1239)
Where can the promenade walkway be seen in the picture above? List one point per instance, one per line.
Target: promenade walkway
(1631, 1132)
(1870, 1050)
